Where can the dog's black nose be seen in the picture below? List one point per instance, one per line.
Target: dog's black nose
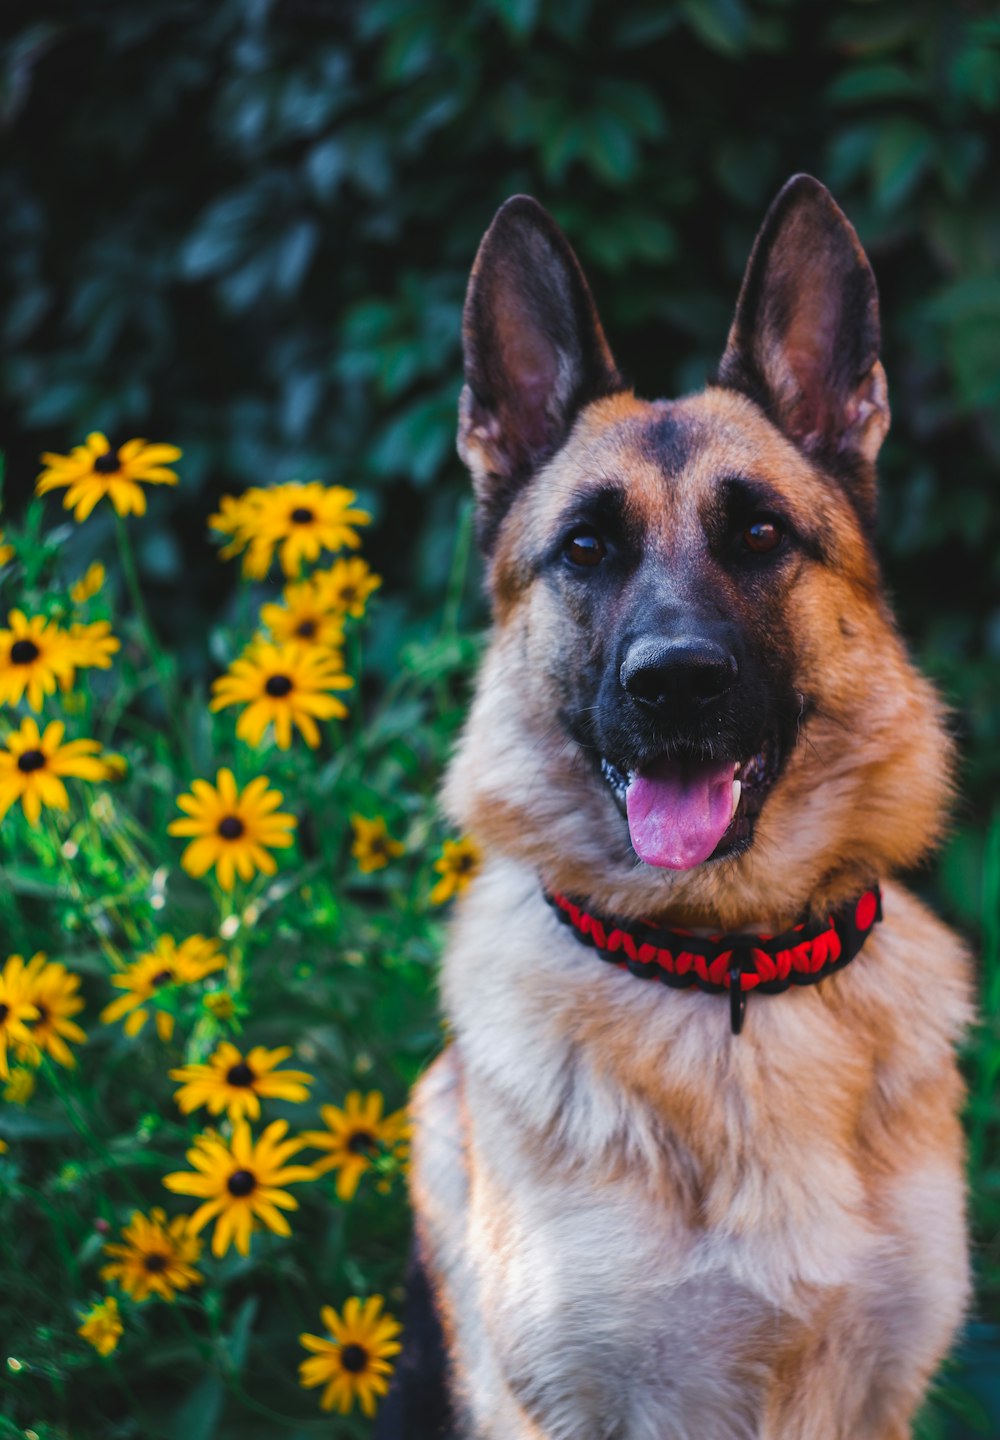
(678, 672)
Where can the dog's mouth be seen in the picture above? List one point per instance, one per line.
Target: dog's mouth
(683, 810)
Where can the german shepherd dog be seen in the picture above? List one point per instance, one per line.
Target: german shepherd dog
(696, 729)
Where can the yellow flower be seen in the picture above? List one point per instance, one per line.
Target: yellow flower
(21, 1085)
(460, 859)
(96, 469)
(6, 551)
(239, 1183)
(305, 616)
(232, 1084)
(157, 1258)
(52, 989)
(296, 519)
(354, 1137)
(4, 1147)
(15, 1010)
(285, 686)
(346, 586)
(146, 979)
(32, 764)
(221, 1004)
(354, 1364)
(34, 654)
(373, 847)
(92, 645)
(115, 766)
(88, 585)
(102, 1326)
(234, 829)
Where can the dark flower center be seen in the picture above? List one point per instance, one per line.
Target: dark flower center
(241, 1183)
(43, 1012)
(107, 463)
(231, 827)
(162, 977)
(154, 1264)
(354, 1358)
(30, 760)
(302, 516)
(348, 594)
(4, 1011)
(307, 629)
(22, 652)
(240, 1074)
(463, 863)
(362, 1142)
(278, 686)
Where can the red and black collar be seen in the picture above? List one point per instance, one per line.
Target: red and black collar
(737, 963)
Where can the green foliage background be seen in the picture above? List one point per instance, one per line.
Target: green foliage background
(246, 227)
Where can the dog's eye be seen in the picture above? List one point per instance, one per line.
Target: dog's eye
(585, 547)
(762, 535)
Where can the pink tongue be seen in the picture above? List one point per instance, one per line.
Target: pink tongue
(677, 814)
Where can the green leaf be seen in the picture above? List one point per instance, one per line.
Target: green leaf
(519, 16)
(874, 82)
(198, 1414)
(723, 25)
(903, 150)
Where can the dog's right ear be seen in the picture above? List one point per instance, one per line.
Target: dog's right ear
(534, 354)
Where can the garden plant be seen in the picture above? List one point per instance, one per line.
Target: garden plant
(216, 988)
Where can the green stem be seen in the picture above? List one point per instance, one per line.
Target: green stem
(459, 571)
(161, 661)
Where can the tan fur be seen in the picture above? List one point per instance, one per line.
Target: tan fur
(639, 1226)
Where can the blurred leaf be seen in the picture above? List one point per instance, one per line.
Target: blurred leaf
(903, 150)
(197, 1416)
(873, 83)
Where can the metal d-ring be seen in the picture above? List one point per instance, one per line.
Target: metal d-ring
(737, 999)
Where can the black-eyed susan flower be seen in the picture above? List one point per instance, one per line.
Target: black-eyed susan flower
(34, 656)
(285, 686)
(304, 616)
(157, 1257)
(97, 469)
(240, 1183)
(223, 1005)
(16, 1011)
(232, 1083)
(352, 1361)
(53, 990)
(297, 520)
(92, 645)
(6, 551)
(458, 863)
(355, 1137)
(33, 766)
(102, 1326)
(373, 846)
(20, 1085)
(346, 585)
(88, 585)
(233, 829)
(152, 978)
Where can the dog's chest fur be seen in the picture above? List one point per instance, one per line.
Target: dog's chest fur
(639, 1222)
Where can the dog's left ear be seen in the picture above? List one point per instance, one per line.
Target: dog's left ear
(805, 339)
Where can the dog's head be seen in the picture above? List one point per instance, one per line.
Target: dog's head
(695, 692)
